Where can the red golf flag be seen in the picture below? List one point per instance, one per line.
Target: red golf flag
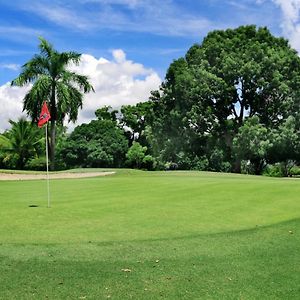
(44, 116)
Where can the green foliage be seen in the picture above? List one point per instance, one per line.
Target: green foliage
(252, 143)
(148, 163)
(106, 113)
(101, 143)
(183, 161)
(217, 162)
(134, 119)
(259, 145)
(274, 170)
(295, 171)
(170, 166)
(234, 75)
(285, 145)
(201, 164)
(36, 164)
(21, 143)
(136, 156)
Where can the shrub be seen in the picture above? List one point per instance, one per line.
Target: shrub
(183, 161)
(136, 155)
(295, 171)
(171, 166)
(148, 162)
(201, 164)
(36, 164)
(274, 170)
(246, 167)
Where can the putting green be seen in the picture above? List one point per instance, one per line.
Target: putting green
(133, 230)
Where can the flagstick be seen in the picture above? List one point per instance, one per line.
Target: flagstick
(48, 188)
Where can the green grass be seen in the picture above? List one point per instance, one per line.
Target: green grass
(182, 235)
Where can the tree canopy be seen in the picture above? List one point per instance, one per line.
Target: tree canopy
(231, 76)
(101, 143)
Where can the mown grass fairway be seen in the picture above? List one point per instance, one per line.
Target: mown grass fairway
(151, 235)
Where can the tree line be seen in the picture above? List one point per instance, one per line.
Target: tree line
(230, 105)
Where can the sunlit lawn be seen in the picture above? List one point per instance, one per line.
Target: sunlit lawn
(151, 235)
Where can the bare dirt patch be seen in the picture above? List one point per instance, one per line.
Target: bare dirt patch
(8, 176)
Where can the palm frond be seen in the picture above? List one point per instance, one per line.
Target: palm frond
(81, 81)
(31, 71)
(70, 57)
(69, 100)
(25, 77)
(38, 64)
(5, 143)
(46, 48)
(34, 99)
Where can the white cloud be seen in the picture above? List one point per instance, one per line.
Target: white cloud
(19, 33)
(290, 24)
(119, 55)
(60, 15)
(10, 52)
(130, 3)
(25, 31)
(164, 18)
(11, 104)
(116, 82)
(13, 67)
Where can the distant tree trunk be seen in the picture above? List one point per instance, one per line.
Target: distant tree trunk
(286, 167)
(258, 165)
(237, 166)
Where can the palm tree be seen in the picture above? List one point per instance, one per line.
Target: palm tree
(53, 82)
(21, 143)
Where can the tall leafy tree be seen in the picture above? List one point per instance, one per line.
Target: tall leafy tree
(233, 74)
(252, 72)
(53, 81)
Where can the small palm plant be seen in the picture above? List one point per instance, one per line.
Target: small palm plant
(21, 143)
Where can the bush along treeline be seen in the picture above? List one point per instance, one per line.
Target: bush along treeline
(231, 104)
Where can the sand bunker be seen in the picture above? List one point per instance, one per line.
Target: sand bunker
(7, 176)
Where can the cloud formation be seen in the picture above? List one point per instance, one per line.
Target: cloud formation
(165, 18)
(117, 82)
(11, 104)
(22, 34)
(13, 67)
(290, 24)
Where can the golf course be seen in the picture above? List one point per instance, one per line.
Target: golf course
(150, 235)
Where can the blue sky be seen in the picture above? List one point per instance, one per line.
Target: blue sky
(127, 44)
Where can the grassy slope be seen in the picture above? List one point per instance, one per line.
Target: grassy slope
(183, 235)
